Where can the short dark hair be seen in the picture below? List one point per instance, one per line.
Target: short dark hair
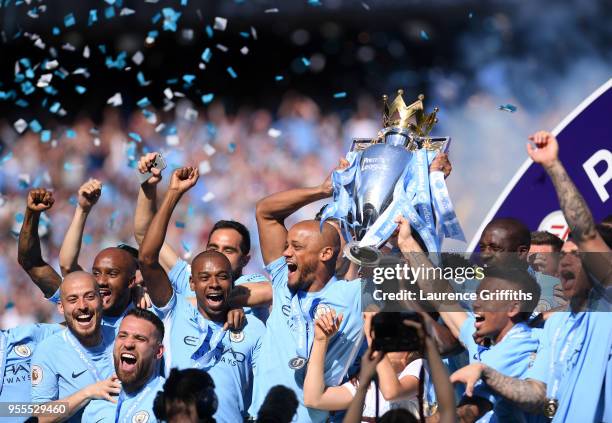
(521, 280)
(279, 406)
(245, 244)
(605, 232)
(520, 234)
(149, 316)
(546, 238)
(183, 388)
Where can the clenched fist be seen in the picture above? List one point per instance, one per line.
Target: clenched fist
(39, 200)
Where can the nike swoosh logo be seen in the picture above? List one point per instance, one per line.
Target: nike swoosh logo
(75, 375)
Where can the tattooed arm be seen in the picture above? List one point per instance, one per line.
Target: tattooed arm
(575, 209)
(529, 394)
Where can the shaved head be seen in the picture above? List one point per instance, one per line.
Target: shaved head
(211, 255)
(121, 257)
(77, 278)
(115, 272)
(323, 237)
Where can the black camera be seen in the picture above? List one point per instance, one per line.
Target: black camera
(391, 334)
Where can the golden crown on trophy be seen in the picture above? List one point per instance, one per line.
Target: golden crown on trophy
(412, 117)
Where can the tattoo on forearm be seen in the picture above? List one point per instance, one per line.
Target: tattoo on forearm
(529, 395)
(575, 209)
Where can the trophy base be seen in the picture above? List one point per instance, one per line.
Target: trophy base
(363, 256)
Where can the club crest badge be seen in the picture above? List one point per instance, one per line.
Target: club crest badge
(321, 309)
(140, 417)
(297, 363)
(23, 350)
(236, 336)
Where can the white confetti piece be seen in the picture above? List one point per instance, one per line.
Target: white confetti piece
(51, 64)
(273, 10)
(168, 93)
(86, 52)
(222, 48)
(138, 58)
(244, 50)
(209, 196)
(191, 115)
(126, 11)
(115, 100)
(220, 24)
(160, 127)
(44, 80)
(172, 140)
(40, 44)
(274, 133)
(20, 125)
(204, 167)
(208, 149)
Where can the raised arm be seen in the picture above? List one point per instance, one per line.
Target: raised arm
(254, 294)
(316, 395)
(576, 212)
(28, 250)
(146, 206)
(88, 196)
(103, 390)
(369, 361)
(272, 211)
(450, 311)
(528, 394)
(156, 279)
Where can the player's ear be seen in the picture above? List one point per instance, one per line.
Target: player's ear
(515, 310)
(244, 260)
(191, 283)
(326, 254)
(60, 308)
(160, 351)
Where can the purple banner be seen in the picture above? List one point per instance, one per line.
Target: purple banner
(585, 149)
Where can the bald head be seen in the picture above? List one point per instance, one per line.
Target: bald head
(323, 237)
(120, 257)
(81, 279)
(211, 255)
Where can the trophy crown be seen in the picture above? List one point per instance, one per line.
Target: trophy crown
(411, 117)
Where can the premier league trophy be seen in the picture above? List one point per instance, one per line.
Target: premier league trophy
(389, 176)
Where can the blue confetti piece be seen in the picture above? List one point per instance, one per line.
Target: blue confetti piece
(206, 55)
(80, 89)
(508, 108)
(29, 73)
(136, 137)
(6, 158)
(25, 62)
(184, 2)
(207, 98)
(180, 224)
(50, 90)
(68, 166)
(185, 246)
(45, 136)
(93, 17)
(19, 218)
(156, 18)
(231, 147)
(102, 48)
(212, 129)
(70, 133)
(109, 12)
(7, 95)
(424, 35)
(315, 3)
(69, 20)
(118, 63)
(279, 77)
(232, 72)
(141, 79)
(60, 74)
(305, 61)
(172, 81)
(35, 126)
(170, 19)
(87, 239)
(27, 88)
(73, 200)
(111, 221)
(55, 107)
(143, 102)
(55, 31)
(111, 2)
(340, 95)
(209, 31)
(245, 35)
(190, 211)
(22, 103)
(188, 78)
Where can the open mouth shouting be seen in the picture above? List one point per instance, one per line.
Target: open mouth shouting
(480, 318)
(215, 300)
(84, 319)
(105, 294)
(128, 362)
(568, 279)
(292, 268)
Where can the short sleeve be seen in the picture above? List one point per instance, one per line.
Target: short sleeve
(165, 311)
(279, 272)
(55, 298)
(412, 369)
(179, 277)
(44, 381)
(466, 337)
(350, 387)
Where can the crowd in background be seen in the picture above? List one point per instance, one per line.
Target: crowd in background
(242, 158)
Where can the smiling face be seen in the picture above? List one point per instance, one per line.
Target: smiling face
(227, 241)
(81, 305)
(115, 272)
(211, 280)
(574, 280)
(137, 350)
(494, 317)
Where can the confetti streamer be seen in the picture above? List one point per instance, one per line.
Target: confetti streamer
(508, 108)
(340, 95)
